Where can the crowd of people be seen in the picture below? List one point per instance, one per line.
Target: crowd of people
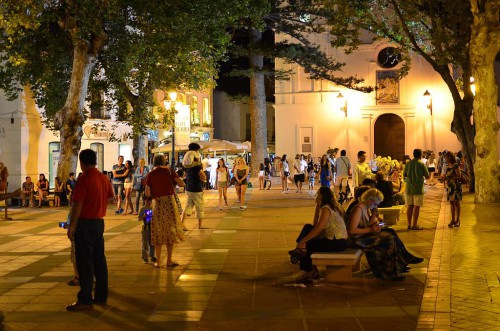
(334, 228)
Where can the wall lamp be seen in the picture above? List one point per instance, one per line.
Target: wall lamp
(428, 100)
(342, 103)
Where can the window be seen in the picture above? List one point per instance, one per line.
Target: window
(195, 114)
(54, 152)
(126, 151)
(207, 118)
(98, 148)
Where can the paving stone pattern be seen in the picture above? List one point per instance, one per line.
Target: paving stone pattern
(236, 275)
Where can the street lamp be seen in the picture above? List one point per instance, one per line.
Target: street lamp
(169, 105)
(342, 103)
(428, 100)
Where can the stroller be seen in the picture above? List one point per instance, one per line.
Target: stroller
(345, 195)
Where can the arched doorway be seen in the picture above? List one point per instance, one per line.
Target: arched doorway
(389, 136)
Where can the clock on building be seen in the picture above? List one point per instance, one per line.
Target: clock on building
(388, 57)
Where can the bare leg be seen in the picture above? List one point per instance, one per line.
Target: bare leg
(170, 250)
(243, 189)
(409, 214)
(158, 255)
(224, 191)
(238, 192)
(416, 213)
(220, 197)
(458, 209)
(452, 208)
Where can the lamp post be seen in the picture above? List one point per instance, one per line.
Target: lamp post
(342, 103)
(171, 105)
(428, 102)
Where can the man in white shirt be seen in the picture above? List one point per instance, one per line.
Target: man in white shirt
(361, 170)
(300, 167)
(343, 169)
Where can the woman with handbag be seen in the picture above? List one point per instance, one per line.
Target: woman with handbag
(139, 182)
(166, 225)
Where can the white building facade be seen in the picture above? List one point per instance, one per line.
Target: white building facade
(390, 121)
(28, 148)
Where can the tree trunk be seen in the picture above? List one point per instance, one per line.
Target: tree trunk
(70, 118)
(483, 49)
(139, 148)
(257, 105)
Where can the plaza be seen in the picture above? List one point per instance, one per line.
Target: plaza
(236, 275)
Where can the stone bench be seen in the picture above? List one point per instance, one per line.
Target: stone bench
(390, 214)
(339, 265)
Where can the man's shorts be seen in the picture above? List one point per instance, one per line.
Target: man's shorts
(118, 189)
(339, 179)
(299, 178)
(195, 199)
(415, 200)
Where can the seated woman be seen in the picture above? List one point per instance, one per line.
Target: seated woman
(328, 233)
(384, 250)
(386, 188)
(43, 189)
(358, 192)
(398, 186)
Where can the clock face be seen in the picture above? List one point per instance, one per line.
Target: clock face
(388, 57)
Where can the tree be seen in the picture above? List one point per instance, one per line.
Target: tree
(484, 46)
(295, 19)
(439, 31)
(126, 48)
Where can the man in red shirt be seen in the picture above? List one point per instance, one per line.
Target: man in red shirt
(90, 199)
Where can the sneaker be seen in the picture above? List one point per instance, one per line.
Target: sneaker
(77, 306)
(244, 207)
(145, 261)
(153, 259)
(121, 210)
(241, 208)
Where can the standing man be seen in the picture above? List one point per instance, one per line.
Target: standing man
(361, 170)
(195, 177)
(343, 170)
(90, 200)
(331, 159)
(414, 174)
(118, 183)
(70, 185)
(300, 166)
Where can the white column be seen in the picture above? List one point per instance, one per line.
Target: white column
(409, 119)
(367, 132)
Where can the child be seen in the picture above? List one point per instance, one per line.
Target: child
(58, 190)
(312, 176)
(145, 215)
(261, 176)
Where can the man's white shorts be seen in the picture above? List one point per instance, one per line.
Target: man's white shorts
(415, 200)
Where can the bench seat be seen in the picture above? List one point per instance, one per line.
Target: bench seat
(339, 265)
(390, 214)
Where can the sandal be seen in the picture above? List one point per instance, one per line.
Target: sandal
(417, 228)
(156, 265)
(74, 282)
(457, 223)
(451, 224)
(298, 252)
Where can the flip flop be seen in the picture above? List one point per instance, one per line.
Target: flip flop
(417, 228)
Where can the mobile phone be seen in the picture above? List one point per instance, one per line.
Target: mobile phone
(381, 224)
(62, 225)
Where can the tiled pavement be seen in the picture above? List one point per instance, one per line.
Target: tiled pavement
(236, 275)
